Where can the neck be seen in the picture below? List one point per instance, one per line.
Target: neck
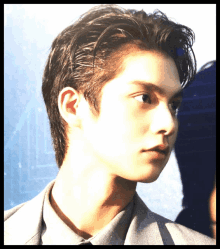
(88, 198)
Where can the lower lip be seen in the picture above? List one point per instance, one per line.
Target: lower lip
(156, 154)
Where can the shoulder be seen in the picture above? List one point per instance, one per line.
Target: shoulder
(8, 213)
(22, 223)
(182, 235)
(158, 227)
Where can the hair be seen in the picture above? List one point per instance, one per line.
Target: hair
(89, 53)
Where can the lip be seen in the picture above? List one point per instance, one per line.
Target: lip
(159, 149)
(155, 154)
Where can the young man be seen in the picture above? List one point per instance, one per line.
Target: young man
(112, 87)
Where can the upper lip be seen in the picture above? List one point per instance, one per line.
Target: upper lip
(160, 148)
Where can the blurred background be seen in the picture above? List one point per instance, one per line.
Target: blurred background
(29, 161)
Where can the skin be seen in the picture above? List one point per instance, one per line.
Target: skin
(108, 155)
(212, 209)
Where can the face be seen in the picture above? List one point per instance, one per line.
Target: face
(137, 126)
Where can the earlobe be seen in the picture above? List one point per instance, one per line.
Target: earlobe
(68, 101)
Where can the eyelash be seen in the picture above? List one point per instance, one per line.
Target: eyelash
(143, 95)
(177, 103)
(177, 108)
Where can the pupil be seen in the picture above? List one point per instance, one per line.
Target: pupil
(145, 97)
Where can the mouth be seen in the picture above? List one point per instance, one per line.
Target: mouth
(165, 151)
(156, 154)
(158, 151)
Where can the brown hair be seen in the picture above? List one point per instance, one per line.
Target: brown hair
(89, 53)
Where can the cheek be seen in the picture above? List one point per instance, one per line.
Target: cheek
(116, 134)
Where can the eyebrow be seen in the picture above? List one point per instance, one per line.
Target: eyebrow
(153, 87)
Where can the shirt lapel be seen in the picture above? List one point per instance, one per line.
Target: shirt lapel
(144, 227)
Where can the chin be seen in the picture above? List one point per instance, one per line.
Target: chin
(149, 179)
(150, 176)
(146, 178)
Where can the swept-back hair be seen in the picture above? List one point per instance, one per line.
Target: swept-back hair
(89, 53)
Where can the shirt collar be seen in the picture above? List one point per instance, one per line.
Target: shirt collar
(56, 232)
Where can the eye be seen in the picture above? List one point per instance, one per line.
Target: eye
(145, 98)
(175, 105)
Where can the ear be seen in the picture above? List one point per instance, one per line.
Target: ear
(68, 102)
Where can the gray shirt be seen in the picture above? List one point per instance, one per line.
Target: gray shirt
(56, 232)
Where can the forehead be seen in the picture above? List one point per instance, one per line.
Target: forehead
(158, 71)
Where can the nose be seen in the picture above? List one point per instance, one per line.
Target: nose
(164, 121)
